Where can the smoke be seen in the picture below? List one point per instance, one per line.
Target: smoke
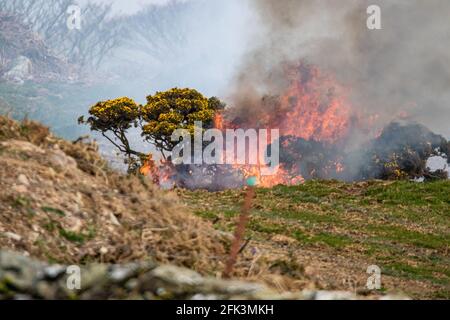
(176, 43)
(400, 71)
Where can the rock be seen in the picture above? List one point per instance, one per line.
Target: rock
(31, 279)
(334, 295)
(113, 219)
(123, 273)
(60, 160)
(12, 236)
(22, 179)
(33, 236)
(73, 224)
(19, 271)
(438, 163)
(395, 297)
(20, 70)
(178, 278)
(53, 272)
(283, 240)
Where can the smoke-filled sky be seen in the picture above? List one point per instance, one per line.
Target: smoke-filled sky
(238, 45)
(402, 69)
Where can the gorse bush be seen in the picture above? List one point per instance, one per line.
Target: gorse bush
(175, 109)
(118, 114)
(164, 113)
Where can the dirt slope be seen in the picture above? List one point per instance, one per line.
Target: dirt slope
(60, 202)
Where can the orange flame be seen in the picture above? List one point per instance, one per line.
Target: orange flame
(314, 107)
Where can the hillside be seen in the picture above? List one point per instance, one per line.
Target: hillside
(330, 232)
(61, 203)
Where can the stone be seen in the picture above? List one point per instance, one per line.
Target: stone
(283, 240)
(334, 295)
(113, 219)
(21, 70)
(22, 179)
(12, 236)
(73, 224)
(31, 279)
(59, 159)
(54, 271)
(177, 276)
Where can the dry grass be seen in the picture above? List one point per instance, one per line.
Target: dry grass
(60, 202)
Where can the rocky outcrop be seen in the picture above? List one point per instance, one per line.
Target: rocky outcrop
(24, 55)
(25, 278)
(20, 70)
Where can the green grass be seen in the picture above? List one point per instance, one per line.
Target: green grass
(23, 204)
(72, 236)
(402, 226)
(54, 211)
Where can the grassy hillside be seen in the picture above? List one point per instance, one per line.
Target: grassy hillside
(330, 232)
(61, 202)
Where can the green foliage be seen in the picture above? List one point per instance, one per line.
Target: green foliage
(175, 109)
(164, 113)
(54, 211)
(72, 236)
(115, 115)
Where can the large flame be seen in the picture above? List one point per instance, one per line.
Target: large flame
(316, 106)
(313, 107)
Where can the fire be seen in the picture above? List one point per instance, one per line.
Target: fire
(219, 121)
(313, 107)
(159, 173)
(150, 168)
(281, 177)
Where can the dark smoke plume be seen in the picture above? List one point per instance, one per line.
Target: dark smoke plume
(401, 71)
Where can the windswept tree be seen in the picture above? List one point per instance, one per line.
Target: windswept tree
(113, 118)
(164, 113)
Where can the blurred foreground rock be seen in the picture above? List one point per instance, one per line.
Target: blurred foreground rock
(22, 277)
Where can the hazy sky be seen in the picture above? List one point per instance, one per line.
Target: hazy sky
(127, 6)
